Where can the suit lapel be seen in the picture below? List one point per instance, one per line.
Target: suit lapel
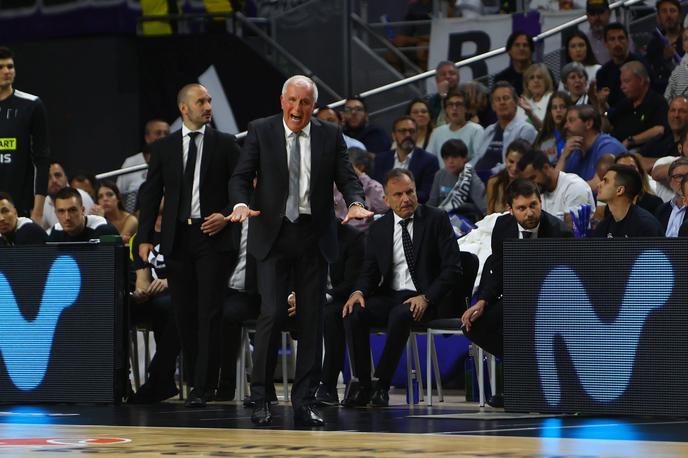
(316, 149)
(177, 159)
(280, 158)
(418, 230)
(208, 148)
(387, 244)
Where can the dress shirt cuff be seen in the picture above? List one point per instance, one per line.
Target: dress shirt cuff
(357, 291)
(239, 205)
(360, 204)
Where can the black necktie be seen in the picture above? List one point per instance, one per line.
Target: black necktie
(527, 234)
(408, 249)
(188, 179)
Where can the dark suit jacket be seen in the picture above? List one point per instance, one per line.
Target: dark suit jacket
(265, 153)
(506, 227)
(344, 272)
(423, 165)
(165, 175)
(663, 213)
(438, 260)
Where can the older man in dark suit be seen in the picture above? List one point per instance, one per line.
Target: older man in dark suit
(293, 233)
(412, 265)
(191, 169)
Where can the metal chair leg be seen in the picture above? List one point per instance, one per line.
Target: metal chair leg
(438, 375)
(285, 372)
(134, 357)
(481, 382)
(146, 354)
(428, 355)
(416, 362)
(409, 379)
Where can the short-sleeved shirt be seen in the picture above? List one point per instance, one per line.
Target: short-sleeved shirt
(584, 166)
(629, 120)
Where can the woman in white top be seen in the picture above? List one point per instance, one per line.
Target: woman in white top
(578, 49)
(537, 88)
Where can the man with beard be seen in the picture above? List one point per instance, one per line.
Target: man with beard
(665, 49)
(561, 192)
(483, 320)
(408, 156)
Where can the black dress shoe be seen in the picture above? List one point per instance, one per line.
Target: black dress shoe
(261, 415)
(196, 399)
(496, 401)
(308, 416)
(325, 397)
(380, 397)
(357, 396)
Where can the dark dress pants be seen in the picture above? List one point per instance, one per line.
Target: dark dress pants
(294, 262)
(381, 310)
(334, 344)
(487, 331)
(197, 277)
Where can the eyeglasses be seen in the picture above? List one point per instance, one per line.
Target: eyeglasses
(679, 176)
(454, 104)
(355, 109)
(403, 131)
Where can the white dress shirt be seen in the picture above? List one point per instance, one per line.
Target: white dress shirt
(195, 193)
(237, 280)
(305, 172)
(401, 276)
(533, 231)
(402, 164)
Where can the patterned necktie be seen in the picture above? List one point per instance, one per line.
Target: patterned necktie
(292, 210)
(527, 234)
(188, 179)
(408, 249)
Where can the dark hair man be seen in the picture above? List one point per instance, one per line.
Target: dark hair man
(447, 80)
(24, 146)
(17, 230)
(618, 189)
(672, 214)
(520, 48)
(73, 224)
(412, 265)
(357, 125)
(665, 48)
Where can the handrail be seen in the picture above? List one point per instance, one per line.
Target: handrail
(420, 76)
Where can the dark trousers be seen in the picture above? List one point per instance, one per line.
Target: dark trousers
(381, 310)
(197, 277)
(334, 344)
(238, 307)
(294, 256)
(487, 331)
(157, 315)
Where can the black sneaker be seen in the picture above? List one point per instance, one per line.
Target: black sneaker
(325, 397)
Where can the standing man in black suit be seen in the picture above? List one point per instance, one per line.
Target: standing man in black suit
(297, 160)
(483, 320)
(191, 169)
(412, 265)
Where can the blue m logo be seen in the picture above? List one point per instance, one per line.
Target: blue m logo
(26, 345)
(603, 354)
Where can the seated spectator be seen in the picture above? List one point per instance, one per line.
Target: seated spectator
(356, 125)
(647, 198)
(447, 80)
(151, 308)
(660, 170)
(491, 153)
(578, 49)
(111, 207)
(483, 320)
(17, 230)
(585, 144)
(551, 138)
(641, 115)
(608, 79)
(618, 189)
(458, 126)
(130, 183)
(328, 114)
(497, 184)
(399, 283)
(456, 188)
(672, 214)
(85, 182)
(363, 163)
(520, 48)
(665, 49)
(598, 15)
(478, 107)
(667, 144)
(574, 80)
(683, 230)
(537, 89)
(419, 110)
(407, 155)
(561, 192)
(73, 224)
(57, 180)
(678, 80)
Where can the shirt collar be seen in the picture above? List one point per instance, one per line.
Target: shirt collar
(306, 131)
(535, 230)
(186, 130)
(674, 206)
(398, 219)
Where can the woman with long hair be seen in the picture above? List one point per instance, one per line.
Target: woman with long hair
(419, 110)
(578, 49)
(109, 205)
(495, 190)
(551, 139)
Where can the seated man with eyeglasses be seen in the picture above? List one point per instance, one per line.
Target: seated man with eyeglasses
(358, 126)
(73, 224)
(671, 215)
(406, 155)
(458, 127)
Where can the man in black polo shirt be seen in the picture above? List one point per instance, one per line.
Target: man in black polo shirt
(618, 188)
(642, 115)
(24, 150)
(74, 225)
(17, 230)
